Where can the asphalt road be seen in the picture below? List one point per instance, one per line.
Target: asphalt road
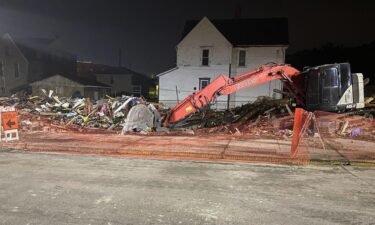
(55, 189)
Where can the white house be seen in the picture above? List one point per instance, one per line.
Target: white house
(230, 47)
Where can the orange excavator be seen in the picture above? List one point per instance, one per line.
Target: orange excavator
(330, 87)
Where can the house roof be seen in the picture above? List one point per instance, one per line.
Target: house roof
(246, 32)
(87, 82)
(165, 72)
(43, 45)
(82, 81)
(89, 68)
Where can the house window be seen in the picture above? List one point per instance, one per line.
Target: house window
(96, 95)
(16, 70)
(6, 50)
(1, 69)
(203, 82)
(205, 57)
(242, 58)
(136, 89)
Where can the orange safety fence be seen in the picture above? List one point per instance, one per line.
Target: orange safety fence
(306, 136)
(327, 136)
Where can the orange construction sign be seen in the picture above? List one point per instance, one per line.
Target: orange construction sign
(9, 120)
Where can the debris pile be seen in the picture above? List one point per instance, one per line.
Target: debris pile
(264, 117)
(262, 125)
(258, 117)
(109, 113)
(261, 107)
(333, 125)
(268, 117)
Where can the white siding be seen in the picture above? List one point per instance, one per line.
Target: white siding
(204, 35)
(255, 57)
(185, 78)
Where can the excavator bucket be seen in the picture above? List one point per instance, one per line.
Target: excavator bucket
(142, 118)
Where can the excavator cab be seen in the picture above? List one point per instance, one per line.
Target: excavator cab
(330, 88)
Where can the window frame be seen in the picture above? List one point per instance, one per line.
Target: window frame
(1, 68)
(96, 94)
(205, 57)
(17, 70)
(239, 58)
(202, 79)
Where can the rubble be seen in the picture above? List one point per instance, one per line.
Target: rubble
(273, 118)
(253, 118)
(133, 114)
(127, 114)
(109, 113)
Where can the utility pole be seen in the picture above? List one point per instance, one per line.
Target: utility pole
(229, 74)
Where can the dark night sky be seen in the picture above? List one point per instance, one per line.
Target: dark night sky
(149, 30)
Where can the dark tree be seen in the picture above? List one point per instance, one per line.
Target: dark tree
(361, 58)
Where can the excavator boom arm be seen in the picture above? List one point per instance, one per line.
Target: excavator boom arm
(224, 85)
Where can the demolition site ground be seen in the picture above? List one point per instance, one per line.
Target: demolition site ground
(261, 131)
(81, 163)
(44, 188)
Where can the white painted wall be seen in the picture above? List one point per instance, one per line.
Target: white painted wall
(255, 57)
(204, 35)
(222, 54)
(186, 78)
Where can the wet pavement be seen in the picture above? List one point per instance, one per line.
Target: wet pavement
(41, 188)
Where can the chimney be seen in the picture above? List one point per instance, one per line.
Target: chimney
(238, 12)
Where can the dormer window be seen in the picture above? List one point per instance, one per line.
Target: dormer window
(242, 58)
(205, 57)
